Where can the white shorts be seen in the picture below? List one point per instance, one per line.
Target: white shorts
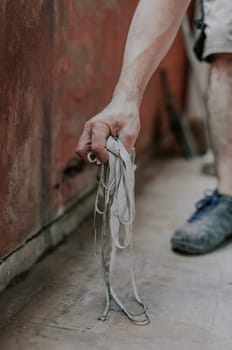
(217, 36)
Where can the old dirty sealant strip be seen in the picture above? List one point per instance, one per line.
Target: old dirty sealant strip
(116, 193)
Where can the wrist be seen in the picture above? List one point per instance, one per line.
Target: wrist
(127, 93)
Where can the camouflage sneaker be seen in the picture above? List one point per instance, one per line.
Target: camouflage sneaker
(207, 228)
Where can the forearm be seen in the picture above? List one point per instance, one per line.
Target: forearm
(152, 31)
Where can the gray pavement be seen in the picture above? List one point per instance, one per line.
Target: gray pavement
(189, 298)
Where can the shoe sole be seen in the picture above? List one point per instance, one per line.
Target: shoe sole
(191, 249)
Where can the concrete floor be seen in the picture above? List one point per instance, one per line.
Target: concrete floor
(189, 298)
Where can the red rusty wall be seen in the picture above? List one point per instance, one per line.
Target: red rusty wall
(25, 39)
(59, 61)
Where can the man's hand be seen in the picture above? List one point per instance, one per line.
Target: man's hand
(120, 118)
(153, 29)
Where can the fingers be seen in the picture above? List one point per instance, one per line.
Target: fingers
(83, 146)
(97, 130)
(94, 139)
(100, 132)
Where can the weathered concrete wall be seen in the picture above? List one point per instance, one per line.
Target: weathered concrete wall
(59, 62)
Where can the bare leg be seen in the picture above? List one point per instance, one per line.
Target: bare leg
(211, 223)
(220, 119)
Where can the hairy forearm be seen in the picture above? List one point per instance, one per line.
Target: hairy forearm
(152, 31)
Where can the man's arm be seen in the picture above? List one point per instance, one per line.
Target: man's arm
(152, 31)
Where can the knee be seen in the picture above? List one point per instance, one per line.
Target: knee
(222, 59)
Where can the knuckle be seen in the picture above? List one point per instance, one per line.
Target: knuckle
(88, 125)
(98, 126)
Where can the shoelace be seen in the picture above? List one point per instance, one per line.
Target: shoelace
(210, 200)
(116, 193)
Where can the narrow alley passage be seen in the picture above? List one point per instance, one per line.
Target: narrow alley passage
(189, 298)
